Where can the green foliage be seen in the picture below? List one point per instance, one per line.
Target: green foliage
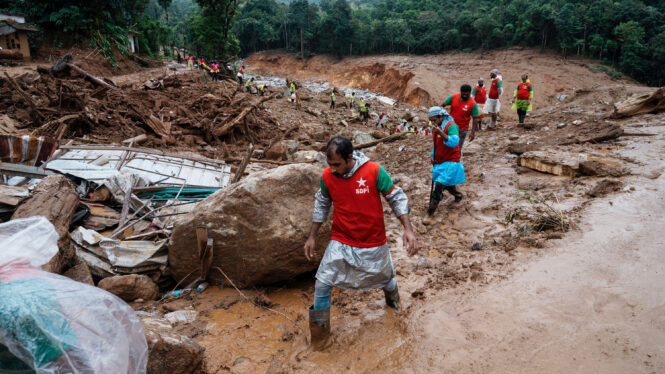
(628, 34)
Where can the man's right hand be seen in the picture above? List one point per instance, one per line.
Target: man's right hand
(309, 248)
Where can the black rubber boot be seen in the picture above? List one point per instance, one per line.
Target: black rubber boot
(433, 204)
(392, 298)
(319, 327)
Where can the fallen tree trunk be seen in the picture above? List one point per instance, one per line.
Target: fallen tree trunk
(66, 62)
(221, 131)
(643, 104)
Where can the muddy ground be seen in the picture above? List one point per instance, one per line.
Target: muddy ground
(532, 299)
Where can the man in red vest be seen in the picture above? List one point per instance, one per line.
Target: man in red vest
(357, 256)
(479, 92)
(190, 62)
(493, 104)
(462, 109)
(447, 167)
(522, 98)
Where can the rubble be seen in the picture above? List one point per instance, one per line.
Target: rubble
(168, 351)
(551, 162)
(130, 287)
(250, 245)
(605, 187)
(80, 273)
(647, 103)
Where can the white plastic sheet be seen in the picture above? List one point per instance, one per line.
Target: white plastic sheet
(54, 324)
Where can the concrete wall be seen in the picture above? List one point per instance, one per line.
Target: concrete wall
(17, 41)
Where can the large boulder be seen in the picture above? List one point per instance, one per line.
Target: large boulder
(130, 287)
(259, 227)
(55, 198)
(168, 351)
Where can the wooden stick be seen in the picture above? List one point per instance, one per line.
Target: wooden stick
(390, 138)
(229, 126)
(243, 163)
(92, 78)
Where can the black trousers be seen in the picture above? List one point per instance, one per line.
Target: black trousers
(438, 191)
(521, 115)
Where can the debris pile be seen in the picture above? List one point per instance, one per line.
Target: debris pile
(60, 104)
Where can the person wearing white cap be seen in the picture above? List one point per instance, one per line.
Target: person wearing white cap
(447, 167)
(493, 104)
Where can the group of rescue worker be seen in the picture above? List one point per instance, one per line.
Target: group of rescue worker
(357, 256)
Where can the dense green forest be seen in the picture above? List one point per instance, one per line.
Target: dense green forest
(627, 34)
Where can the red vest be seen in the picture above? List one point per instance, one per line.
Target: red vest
(481, 94)
(214, 68)
(523, 91)
(357, 208)
(443, 153)
(240, 71)
(461, 111)
(494, 90)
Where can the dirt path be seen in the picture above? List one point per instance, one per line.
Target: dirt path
(595, 304)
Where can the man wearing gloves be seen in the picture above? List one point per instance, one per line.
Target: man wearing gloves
(357, 256)
(447, 167)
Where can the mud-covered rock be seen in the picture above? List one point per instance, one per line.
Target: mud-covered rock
(605, 187)
(519, 148)
(130, 287)
(168, 351)
(55, 198)
(282, 150)
(258, 225)
(601, 169)
(360, 137)
(80, 273)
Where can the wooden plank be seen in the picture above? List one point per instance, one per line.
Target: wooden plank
(243, 163)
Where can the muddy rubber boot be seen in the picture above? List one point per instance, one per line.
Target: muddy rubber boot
(319, 327)
(458, 196)
(392, 298)
(433, 203)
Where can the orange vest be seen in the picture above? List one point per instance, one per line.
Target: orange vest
(358, 211)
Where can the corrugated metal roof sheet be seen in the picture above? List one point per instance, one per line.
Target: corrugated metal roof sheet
(158, 169)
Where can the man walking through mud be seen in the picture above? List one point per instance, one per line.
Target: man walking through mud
(493, 104)
(463, 108)
(357, 256)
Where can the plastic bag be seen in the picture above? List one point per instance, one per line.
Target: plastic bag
(31, 239)
(57, 325)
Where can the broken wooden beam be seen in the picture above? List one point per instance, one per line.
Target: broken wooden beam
(243, 163)
(221, 131)
(24, 95)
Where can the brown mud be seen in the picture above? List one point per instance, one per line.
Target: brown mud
(534, 298)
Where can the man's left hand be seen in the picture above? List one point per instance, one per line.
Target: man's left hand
(472, 135)
(410, 242)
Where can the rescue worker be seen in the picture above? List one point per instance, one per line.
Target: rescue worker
(463, 108)
(522, 98)
(381, 120)
(292, 88)
(352, 100)
(364, 112)
(479, 92)
(248, 85)
(214, 70)
(493, 104)
(357, 256)
(260, 89)
(201, 63)
(241, 74)
(190, 62)
(332, 99)
(447, 167)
